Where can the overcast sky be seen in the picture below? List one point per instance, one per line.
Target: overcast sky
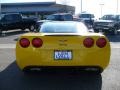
(92, 6)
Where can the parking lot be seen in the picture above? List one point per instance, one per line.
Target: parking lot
(11, 78)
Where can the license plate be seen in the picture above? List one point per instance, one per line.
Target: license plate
(62, 54)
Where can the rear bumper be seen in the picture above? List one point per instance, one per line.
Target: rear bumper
(65, 68)
(84, 60)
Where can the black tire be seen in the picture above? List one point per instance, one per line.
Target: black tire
(23, 29)
(99, 71)
(96, 30)
(26, 70)
(95, 70)
(32, 28)
(31, 70)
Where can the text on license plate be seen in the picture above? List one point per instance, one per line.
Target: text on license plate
(62, 54)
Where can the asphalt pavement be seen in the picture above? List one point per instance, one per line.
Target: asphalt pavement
(12, 78)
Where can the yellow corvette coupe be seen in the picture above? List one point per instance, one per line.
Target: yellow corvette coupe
(63, 44)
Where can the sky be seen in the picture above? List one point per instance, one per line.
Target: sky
(97, 7)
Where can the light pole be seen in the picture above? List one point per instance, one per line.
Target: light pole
(81, 6)
(0, 8)
(117, 7)
(101, 7)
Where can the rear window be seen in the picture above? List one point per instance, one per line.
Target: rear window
(108, 17)
(60, 17)
(63, 28)
(9, 17)
(86, 16)
(67, 17)
(53, 17)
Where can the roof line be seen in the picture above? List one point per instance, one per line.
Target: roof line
(19, 3)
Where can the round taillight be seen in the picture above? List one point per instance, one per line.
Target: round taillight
(101, 42)
(24, 42)
(88, 42)
(37, 42)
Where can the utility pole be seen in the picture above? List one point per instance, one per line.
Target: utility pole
(101, 7)
(0, 8)
(117, 7)
(81, 6)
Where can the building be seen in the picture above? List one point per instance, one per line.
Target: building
(35, 8)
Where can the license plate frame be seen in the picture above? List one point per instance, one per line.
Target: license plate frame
(63, 55)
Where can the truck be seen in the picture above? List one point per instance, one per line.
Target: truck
(109, 23)
(16, 21)
(87, 18)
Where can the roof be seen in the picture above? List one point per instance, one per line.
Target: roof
(28, 3)
(61, 13)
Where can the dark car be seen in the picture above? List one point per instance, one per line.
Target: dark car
(60, 17)
(16, 21)
(108, 23)
(87, 18)
(56, 17)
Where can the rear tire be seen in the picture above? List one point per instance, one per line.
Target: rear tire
(95, 70)
(30, 70)
(26, 70)
(23, 29)
(96, 30)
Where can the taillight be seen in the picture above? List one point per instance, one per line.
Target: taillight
(24, 42)
(101, 42)
(37, 42)
(88, 42)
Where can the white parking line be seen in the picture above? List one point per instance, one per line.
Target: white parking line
(115, 45)
(3, 46)
(12, 46)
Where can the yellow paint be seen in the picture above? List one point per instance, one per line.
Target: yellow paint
(44, 56)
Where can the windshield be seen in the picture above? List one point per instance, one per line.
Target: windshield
(60, 17)
(86, 16)
(53, 17)
(67, 17)
(108, 17)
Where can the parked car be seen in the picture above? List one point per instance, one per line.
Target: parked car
(60, 17)
(65, 44)
(16, 21)
(87, 18)
(56, 17)
(108, 23)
